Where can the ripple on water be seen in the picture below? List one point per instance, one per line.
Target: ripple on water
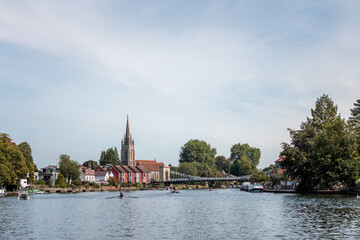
(191, 214)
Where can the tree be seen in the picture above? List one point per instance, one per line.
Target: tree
(12, 162)
(113, 181)
(25, 148)
(93, 164)
(188, 168)
(223, 164)
(110, 156)
(354, 121)
(238, 151)
(270, 168)
(260, 177)
(69, 168)
(242, 167)
(323, 151)
(61, 181)
(200, 152)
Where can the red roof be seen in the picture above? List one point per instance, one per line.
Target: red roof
(127, 169)
(151, 165)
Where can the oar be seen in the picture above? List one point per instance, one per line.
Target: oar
(111, 197)
(133, 197)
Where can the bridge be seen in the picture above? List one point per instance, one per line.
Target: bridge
(176, 177)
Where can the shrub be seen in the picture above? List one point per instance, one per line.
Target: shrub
(40, 182)
(76, 182)
(94, 184)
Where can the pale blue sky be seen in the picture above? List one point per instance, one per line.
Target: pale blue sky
(225, 72)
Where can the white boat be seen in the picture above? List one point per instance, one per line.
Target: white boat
(23, 195)
(256, 188)
(2, 192)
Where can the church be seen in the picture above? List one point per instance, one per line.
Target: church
(157, 170)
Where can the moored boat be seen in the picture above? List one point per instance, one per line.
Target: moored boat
(256, 188)
(2, 192)
(23, 195)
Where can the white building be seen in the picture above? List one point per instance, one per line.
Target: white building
(103, 176)
(86, 174)
(49, 173)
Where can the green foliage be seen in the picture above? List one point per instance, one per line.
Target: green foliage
(94, 184)
(25, 148)
(76, 182)
(259, 177)
(90, 163)
(239, 151)
(189, 168)
(60, 181)
(354, 122)
(12, 162)
(69, 168)
(242, 167)
(173, 168)
(223, 164)
(40, 182)
(110, 156)
(199, 152)
(113, 181)
(323, 151)
(276, 178)
(271, 167)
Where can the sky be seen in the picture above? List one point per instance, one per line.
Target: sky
(225, 72)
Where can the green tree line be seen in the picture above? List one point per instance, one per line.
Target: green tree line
(198, 158)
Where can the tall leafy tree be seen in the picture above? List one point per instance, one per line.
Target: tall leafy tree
(188, 168)
(354, 121)
(110, 156)
(25, 148)
(323, 150)
(238, 151)
(93, 164)
(69, 168)
(12, 162)
(200, 152)
(223, 164)
(242, 167)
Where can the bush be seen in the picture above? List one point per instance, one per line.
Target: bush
(40, 182)
(76, 183)
(94, 184)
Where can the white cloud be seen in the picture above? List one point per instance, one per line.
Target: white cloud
(230, 81)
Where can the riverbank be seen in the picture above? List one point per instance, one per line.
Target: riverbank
(319, 192)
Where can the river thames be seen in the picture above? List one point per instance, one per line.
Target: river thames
(190, 214)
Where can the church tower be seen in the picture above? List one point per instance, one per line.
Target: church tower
(127, 147)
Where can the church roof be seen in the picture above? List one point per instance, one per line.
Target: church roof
(151, 165)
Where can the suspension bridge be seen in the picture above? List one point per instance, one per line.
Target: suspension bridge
(176, 177)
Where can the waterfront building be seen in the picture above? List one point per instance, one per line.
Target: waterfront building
(86, 174)
(109, 168)
(103, 176)
(49, 173)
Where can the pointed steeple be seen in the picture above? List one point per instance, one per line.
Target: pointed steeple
(127, 147)
(127, 137)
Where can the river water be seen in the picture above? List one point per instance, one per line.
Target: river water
(190, 214)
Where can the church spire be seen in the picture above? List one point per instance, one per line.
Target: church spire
(127, 147)
(127, 134)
